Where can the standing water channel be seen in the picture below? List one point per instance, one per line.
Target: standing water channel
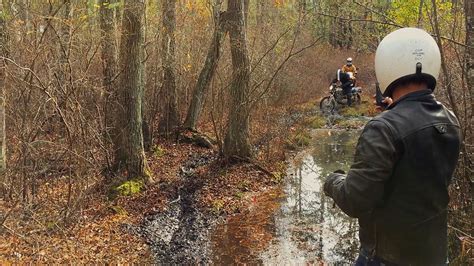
(297, 224)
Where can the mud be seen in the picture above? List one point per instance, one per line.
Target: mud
(299, 226)
(180, 234)
(183, 234)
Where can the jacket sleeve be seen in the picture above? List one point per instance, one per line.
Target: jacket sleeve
(363, 188)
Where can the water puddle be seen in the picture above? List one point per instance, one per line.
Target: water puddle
(298, 225)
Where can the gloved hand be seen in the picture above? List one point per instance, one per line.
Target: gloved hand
(327, 187)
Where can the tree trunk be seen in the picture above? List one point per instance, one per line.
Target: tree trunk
(170, 119)
(147, 136)
(207, 72)
(4, 53)
(236, 142)
(109, 69)
(446, 74)
(63, 51)
(420, 13)
(469, 13)
(129, 116)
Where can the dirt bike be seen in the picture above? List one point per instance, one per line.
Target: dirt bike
(328, 104)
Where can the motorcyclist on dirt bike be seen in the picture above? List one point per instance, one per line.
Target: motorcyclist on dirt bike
(349, 67)
(347, 83)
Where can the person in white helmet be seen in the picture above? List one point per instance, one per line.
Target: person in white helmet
(397, 186)
(349, 66)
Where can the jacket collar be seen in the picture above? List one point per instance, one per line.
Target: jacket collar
(425, 95)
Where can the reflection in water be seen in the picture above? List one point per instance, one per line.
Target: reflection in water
(301, 226)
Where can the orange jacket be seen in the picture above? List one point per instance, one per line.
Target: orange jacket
(347, 68)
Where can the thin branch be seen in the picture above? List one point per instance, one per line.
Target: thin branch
(280, 67)
(390, 24)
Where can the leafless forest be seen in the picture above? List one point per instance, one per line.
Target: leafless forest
(98, 94)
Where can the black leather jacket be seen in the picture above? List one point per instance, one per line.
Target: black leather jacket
(346, 82)
(398, 184)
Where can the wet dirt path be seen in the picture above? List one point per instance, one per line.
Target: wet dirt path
(180, 234)
(296, 225)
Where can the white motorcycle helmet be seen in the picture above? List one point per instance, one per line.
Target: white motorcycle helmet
(407, 54)
(349, 61)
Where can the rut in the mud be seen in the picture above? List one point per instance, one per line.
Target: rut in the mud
(180, 233)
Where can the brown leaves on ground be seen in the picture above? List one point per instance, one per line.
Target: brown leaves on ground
(95, 235)
(73, 221)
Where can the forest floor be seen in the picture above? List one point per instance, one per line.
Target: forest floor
(147, 223)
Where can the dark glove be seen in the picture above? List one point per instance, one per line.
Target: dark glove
(328, 183)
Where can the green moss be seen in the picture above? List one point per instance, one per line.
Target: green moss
(239, 195)
(158, 151)
(50, 225)
(358, 110)
(306, 107)
(217, 206)
(244, 185)
(148, 175)
(278, 176)
(314, 122)
(119, 210)
(299, 140)
(302, 139)
(130, 187)
(350, 124)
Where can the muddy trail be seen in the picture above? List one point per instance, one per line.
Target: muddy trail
(298, 225)
(185, 234)
(180, 233)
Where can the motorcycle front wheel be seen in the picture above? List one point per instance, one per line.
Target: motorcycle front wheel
(356, 99)
(327, 105)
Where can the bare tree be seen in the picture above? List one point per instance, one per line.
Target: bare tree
(236, 142)
(469, 13)
(170, 119)
(209, 68)
(446, 74)
(109, 69)
(64, 39)
(4, 53)
(420, 13)
(129, 118)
